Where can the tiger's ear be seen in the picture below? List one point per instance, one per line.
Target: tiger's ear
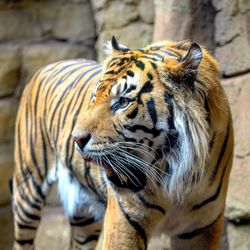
(183, 73)
(192, 59)
(113, 47)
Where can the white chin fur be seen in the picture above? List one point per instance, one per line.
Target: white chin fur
(75, 198)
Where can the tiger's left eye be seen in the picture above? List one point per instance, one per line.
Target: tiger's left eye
(124, 102)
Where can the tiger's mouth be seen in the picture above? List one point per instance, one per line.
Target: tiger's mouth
(121, 172)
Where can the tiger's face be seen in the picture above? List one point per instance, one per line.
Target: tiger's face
(129, 127)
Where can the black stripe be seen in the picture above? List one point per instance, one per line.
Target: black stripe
(211, 143)
(82, 222)
(45, 153)
(92, 237)
(133, 113)
(130, 73)
(26, 199)
(20, 218)
(206, 106)
(131, 88)
(146, 88)
(152, 110)
(196, 232)
(89, 179)
(140, 64)
(35, 105)
(150, 57)
(217, 192)
(37, 187)
(150, 205)
(32, 153)
(28, 214)
(138, 228)
(169, 101)
(222, 152)
(150, 76)
(29, 227)
(24, 242)
(155, 132)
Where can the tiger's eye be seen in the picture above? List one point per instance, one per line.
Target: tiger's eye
(124, 102)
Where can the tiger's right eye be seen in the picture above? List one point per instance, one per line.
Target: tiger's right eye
(124, 102)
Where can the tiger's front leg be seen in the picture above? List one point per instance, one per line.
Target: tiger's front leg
(129, 220)
(84, 232)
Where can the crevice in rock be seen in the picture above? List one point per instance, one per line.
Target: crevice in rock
(202, 28)
(228, 41)
(239, 73)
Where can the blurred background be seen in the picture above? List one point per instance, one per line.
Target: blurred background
(34, 33)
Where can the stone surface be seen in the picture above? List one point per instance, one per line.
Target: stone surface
(233, 57)
(36, 55)
(8, 108)
(19, 24)
(238, 200)
(10, 62)
(238, 236)
(185, 19)
(146, 10)
(173, 19)
(6, 228)
(232, 35)
(116, 15)
(6, 170)
(75, 22)
(127, 36)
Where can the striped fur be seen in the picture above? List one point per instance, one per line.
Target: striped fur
(146, 136)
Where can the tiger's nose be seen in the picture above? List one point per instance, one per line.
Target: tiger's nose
(82, 140)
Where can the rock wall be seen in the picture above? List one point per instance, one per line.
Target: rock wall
(131, 21)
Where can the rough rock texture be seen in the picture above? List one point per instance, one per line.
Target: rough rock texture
(130, 21)
(6, 169)
(238, 236)
(232, 35)
(126, 36)
(10, 61)
(36, 55)
(238, 201)
(185, 19)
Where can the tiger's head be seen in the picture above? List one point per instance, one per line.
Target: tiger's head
(148, 120)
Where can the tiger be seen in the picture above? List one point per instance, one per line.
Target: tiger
(142, 141)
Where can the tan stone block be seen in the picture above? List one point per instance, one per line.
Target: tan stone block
(173, 20)
(238, 91)
(232, 36)
(146, 10)
(6, 228)
(19, 23)
(238, 199)
(10, 62)
(127, 36)
(118, 14)
(8, 108)
(238, 236)
(34, 56)
(74, 22)
(6, 171)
